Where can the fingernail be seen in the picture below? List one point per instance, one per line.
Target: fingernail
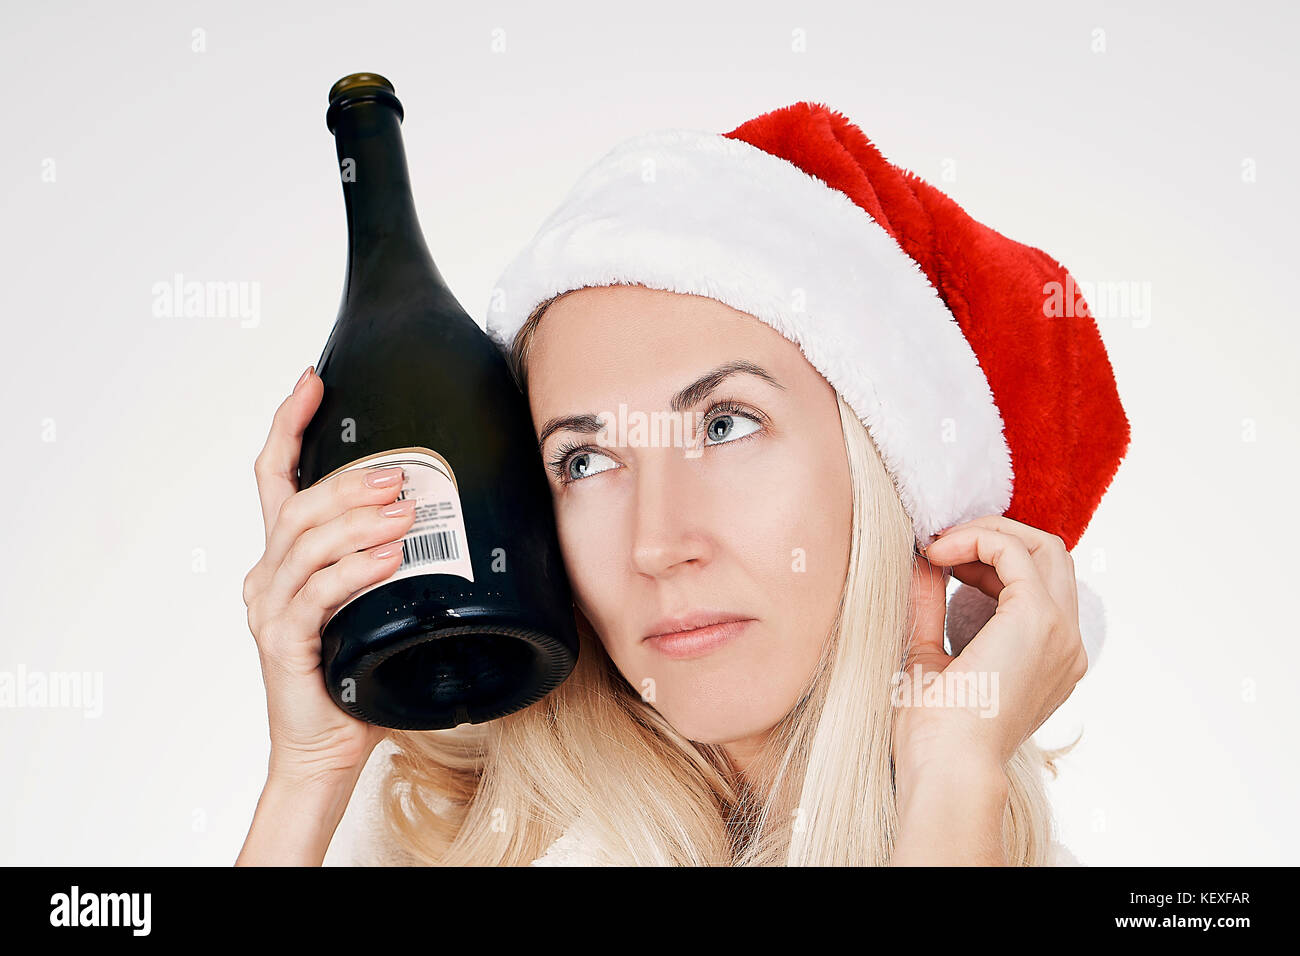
(383, 477)
(302, 378)
(387, 550)
(403, 506)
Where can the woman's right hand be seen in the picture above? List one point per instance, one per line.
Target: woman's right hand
(323, 544)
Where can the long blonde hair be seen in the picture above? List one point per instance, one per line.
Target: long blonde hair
(822, 793)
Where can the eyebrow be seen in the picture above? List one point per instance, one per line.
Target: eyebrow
(688, 397)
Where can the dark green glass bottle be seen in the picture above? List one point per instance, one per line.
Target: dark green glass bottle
(477, 622)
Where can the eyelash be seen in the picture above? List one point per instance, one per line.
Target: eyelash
(559, 463)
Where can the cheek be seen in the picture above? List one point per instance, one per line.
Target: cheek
(587, 546)
(791, 522)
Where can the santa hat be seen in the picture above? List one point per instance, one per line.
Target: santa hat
(982, 394)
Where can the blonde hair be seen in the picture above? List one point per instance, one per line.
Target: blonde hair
(822, 793)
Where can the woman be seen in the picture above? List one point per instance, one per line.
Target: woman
(767, 300)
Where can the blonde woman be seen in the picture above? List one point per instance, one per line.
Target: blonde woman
(848, 366)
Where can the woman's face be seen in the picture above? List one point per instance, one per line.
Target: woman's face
(743, 510)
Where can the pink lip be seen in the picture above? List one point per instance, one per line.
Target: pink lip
(697, 641)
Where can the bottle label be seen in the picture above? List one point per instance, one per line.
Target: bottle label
(436, 543)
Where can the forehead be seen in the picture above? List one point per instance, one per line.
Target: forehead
(630, 339)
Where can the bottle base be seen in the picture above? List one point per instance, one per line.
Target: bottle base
(443, 677)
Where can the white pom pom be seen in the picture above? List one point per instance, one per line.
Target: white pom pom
(1092, 622)
(969, 609)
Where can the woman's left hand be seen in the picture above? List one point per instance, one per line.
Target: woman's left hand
(1024, 662)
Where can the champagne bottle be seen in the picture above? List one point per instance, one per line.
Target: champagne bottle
(477, 621)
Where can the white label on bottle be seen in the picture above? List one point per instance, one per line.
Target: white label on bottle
(436, 543)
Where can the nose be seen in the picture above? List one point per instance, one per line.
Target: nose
(666, 535)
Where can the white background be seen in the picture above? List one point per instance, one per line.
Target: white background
(1126, 164)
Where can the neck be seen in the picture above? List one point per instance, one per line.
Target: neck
(745, 755)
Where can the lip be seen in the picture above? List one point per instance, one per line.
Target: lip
(695, 634)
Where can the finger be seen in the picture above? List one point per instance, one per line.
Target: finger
(979, 576)
(1055, 566)
(325, 501)
(276, 465)
(1005, 553)
(318, 505)
(329, 588)
(345, 534)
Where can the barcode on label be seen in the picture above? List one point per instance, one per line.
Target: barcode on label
(429, 549)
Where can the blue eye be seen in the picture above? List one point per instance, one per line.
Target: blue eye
(724, 428)
(573, 457)
(583, 458)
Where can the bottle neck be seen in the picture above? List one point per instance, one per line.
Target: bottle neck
(382, 223)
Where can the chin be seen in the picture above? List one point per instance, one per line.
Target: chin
(722, 697)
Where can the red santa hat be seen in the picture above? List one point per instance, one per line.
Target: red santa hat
(943, 335)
